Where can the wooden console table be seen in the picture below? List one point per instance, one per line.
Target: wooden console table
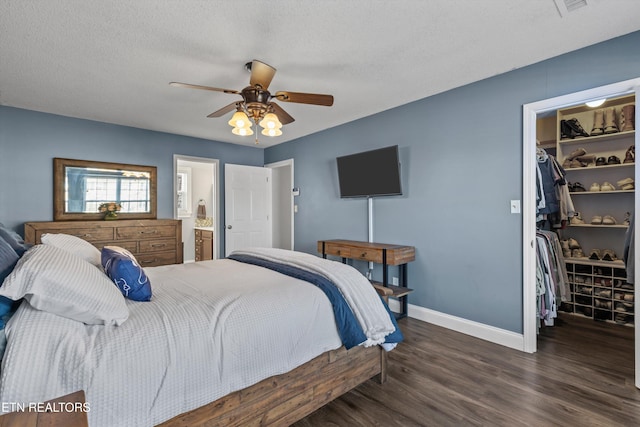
(379, 253)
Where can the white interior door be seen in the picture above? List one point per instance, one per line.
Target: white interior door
(247, 207)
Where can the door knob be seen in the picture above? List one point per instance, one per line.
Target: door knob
(229, 227)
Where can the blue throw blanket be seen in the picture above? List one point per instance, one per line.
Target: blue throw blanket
(349, 328)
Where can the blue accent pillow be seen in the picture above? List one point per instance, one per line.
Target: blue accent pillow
(14, 240)
(121, 267)
(8, 260)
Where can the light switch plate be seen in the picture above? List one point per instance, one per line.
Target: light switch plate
(515, 206)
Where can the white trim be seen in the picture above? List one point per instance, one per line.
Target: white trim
(464, 326)
(283, 163)
(216, 193)
(529, 113)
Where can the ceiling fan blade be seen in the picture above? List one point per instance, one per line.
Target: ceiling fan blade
(224, 110)
(214, 89)
(261, 74)
(305, 98)
(283, 116)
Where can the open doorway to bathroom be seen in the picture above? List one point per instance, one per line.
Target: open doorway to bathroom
(196, 201)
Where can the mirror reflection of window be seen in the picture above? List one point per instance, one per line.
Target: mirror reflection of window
(183, 196)
(87, 188)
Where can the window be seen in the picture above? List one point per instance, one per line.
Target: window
(183, 189)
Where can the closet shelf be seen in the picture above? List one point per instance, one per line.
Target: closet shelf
(598, 138)
(575, 193)
(586, 261)
(603, 167)
(600, 226)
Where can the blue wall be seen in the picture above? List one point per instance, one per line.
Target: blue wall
(461, 155)
(30, 140)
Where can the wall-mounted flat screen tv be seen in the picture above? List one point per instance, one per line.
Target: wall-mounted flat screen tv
(370, 173)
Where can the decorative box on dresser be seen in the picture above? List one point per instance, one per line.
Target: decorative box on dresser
(152, 241)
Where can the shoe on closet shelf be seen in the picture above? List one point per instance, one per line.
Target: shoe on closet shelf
(609, 220)
(575, 163)
(609, 255)
(630, 155)
(594, 187)
(626, 184)
(627, 219)
(613, 160)
(577, 253)
(586, 159)
(621, 318)
(595, 254)
(573, 244)
(576, 219)
(577, 153)
(607, 186)
(628, 297)
(598, 123)
(596, 220)
(604, 293)
(610, 125)
(578, 187)
(601, 161)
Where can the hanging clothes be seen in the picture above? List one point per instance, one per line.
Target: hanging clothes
(552, 281)
(553, 199)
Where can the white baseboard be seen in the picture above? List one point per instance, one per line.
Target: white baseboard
(468, 327)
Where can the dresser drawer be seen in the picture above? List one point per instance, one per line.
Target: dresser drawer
(337, 250)
(156, 245)
(368, 254)
(88, 234)
(130, 246)
(159, 258)
(128, 233)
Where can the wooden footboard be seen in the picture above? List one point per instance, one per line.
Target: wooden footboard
(287, 398)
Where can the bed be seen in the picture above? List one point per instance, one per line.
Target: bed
(256, 339)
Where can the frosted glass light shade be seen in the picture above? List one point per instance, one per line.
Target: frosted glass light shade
(242, 131)
(270, 121)
(240, 120)
(271, 132)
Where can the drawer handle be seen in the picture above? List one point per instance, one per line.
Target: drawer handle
(364, 254)
(148, 232)
(158, 245)
(149, 261)
(83, 235)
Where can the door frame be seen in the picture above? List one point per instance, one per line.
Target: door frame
(216, 194)
(280, 164)
(529, 113)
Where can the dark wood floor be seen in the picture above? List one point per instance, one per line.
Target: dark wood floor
(582, 375)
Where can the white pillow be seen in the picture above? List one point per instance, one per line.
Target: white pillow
(58, 282)
(75, 245)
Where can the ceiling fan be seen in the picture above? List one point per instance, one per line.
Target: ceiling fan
(257, 102)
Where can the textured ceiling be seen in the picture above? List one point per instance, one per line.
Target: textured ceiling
(112, 61)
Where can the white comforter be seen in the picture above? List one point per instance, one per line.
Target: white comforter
(211, 328)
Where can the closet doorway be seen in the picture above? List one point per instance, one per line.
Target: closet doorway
(530, 114)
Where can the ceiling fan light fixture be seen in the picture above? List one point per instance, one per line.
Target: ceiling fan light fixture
(270, 121)
(240, 120)
(242, 131)
(271, 132)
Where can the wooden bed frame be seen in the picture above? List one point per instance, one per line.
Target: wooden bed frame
(287, 398)
(278, 400)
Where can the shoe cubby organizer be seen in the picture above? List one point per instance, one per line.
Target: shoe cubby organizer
(600, 291)
(599, 288)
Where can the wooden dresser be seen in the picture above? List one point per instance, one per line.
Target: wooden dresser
(152, 241)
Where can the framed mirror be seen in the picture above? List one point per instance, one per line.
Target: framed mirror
(88, 190)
